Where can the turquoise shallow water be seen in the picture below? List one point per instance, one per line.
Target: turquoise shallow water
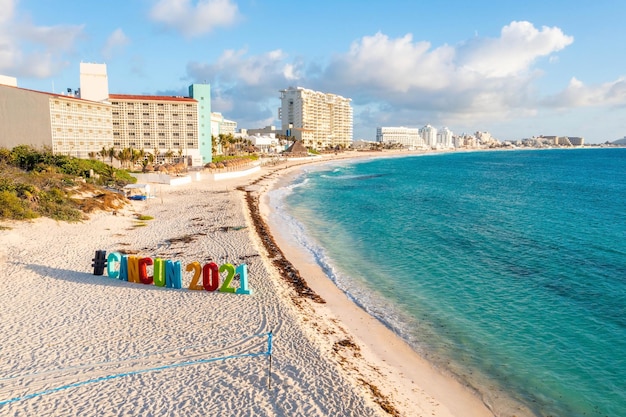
(506, 268)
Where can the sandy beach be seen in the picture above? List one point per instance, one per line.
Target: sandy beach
(74, 343)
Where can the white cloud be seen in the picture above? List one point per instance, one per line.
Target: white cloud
(246, 87)
(403, 81)
(115, 41)
(289, 72)
(481, 78)
(28, 50)
(7, 8)
(578, 94)
(194, 19)
(402, 65)
(518, 46)
(396, 65)
(235, 66)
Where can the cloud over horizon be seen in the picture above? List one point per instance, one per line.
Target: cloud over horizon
(194, 20)
(117, 40)
(477, 79)
(31, 50)
(522, 72)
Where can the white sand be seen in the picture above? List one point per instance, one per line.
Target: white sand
(72, 343)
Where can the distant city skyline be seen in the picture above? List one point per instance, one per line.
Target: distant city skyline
(514, 70)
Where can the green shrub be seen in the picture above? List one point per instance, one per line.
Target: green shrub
(12, 207)
(38, 182)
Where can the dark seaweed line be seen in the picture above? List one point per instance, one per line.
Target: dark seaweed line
(287, 271)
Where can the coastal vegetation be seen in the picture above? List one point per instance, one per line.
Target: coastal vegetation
(37, 183)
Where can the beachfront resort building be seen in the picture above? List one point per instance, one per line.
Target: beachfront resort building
(564, 140)
(222, 126)
(444, 139)
(161, 125)
(405, 136)
(64, 123)
(319, 120)
(429, 135)
(413, 138)
(81, 123)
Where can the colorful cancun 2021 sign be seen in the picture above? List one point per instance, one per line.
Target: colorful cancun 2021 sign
(167, 273)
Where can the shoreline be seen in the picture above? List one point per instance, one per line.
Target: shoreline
(328, 359)
(415, 382)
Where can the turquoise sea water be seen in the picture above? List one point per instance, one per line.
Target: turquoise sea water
(507, 269)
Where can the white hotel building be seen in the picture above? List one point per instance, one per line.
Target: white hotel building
(83, 122)
(320, 120)
(426, 137)
(405, 136)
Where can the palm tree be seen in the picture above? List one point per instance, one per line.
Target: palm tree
(213, 145)
(125, 155)
(103, 153)
(169, 155)
(224, 143)
(111, 153)
(135, 156)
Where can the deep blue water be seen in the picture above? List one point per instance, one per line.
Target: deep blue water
(507, 269)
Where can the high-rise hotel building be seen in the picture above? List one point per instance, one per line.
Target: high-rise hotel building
(320, 120)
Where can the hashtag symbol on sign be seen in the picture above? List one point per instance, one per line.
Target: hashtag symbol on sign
(99, 262)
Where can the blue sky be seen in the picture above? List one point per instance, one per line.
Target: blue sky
(514, 69)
